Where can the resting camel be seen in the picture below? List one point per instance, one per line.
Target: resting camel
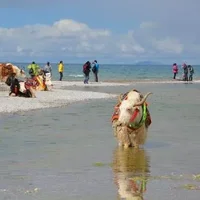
(6, 69)
(36, 83)
(41, 82)
(131, 119)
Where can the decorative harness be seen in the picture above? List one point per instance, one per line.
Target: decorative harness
(34, 82)
(132, 125)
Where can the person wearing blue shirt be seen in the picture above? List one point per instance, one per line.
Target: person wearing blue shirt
(95, 70)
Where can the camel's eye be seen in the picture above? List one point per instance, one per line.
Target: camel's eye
(129, 110)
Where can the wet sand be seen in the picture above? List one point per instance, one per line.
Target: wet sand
(70, 152)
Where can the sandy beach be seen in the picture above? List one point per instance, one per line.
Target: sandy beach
(56, 97)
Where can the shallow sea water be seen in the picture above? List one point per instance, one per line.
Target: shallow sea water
(70, 152)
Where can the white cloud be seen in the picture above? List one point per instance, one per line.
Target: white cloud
(168, 45)
(67, 37)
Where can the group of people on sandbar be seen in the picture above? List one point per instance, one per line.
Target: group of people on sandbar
(188, 72)
(87, 69)
(34, 69)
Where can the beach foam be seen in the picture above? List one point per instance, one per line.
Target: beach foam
(164, 81)
(60, 84)
(76, 75)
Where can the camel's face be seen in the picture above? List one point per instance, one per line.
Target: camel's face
(133, 102)
(126, 110)
(128, 107)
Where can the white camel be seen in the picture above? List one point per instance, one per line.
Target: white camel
(131, 119)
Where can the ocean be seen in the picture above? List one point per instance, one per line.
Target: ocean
(73, 72)
(70, 153)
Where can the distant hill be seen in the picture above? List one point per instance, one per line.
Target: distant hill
(148, 63)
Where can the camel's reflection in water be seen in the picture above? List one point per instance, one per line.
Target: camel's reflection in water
(131, 170)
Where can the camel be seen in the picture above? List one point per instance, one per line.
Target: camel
(6, 69)
(131, 119)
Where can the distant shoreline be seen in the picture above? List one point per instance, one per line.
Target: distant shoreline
(118, 63)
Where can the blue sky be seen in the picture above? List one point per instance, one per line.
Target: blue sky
(110, 31)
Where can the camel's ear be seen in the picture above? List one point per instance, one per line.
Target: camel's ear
(120, 98)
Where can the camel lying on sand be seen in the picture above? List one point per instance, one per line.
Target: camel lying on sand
(6, 69)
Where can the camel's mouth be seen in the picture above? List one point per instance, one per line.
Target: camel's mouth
(124, 120)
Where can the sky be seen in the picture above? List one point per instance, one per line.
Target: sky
(110, 31)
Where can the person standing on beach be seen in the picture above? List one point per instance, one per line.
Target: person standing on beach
(95, 70)
(47, 68)
(61, 69)
(86, 71)
(33, 69)
(191, 71)
(185, 72)
(175, 70)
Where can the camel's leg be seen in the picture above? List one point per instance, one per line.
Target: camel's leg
(138, 137)
(126, 145)
(136, 145)
(114, 125)
(32, 92)
(123, 136)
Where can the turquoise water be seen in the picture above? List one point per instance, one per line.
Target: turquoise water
(119, 72)
(70, 152)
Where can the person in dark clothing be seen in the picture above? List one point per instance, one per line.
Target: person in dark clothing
(185, 72)
(47, 68)
(95, 70)
(86, 71)
(14, 84)
(191, 71)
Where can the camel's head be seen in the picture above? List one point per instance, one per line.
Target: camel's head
(133, 102)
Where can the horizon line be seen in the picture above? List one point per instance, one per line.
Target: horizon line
(117, 63)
